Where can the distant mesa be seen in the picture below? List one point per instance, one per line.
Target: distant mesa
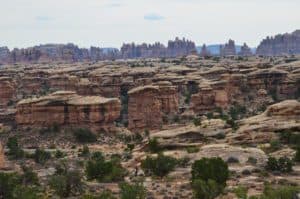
(281, 44)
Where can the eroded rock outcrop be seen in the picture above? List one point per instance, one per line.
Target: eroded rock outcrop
(278, 117)
(245, 51)
(147, 104)
(7, 90)
(68, 108)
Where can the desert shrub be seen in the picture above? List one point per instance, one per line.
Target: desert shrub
(104, 171)
(23, 192)
(281, 192)
(14, 186)
(209, 177)
(66, 182)
(84, 152)
(154, 145)
(283, 164)
(252, 160)
(8, 182)
(297, 155)
(132, 191)
(241, 192)
(183, 162)
(232, 123)
(29, 176)
(192, 149)
(289, 137)
(275, 145)
(197, 121)
(14, 150)
(232, 159)
(159, 166)
(59, 154)
(237, 111)
(206, 189)
(210, 168)
(41, 156)
(84, 136)
(130, 147)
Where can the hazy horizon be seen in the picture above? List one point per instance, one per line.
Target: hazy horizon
(110, 23)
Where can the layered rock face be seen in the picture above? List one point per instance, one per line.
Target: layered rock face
(180, 47)
(280, 44)
(1, 156)
(7, 90)
(147, 104)
(68, 108)
(245, 51)
(228, 49)
(259, 129)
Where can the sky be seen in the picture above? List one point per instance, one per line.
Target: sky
(110, 23)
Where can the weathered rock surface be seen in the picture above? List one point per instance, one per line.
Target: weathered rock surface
(147, 105)
(68, 108)
(7, 90)
(258, 129)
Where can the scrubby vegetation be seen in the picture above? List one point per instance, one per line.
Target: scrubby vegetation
(159, 166)
(84, 136)
(103, 170)
(209, 176)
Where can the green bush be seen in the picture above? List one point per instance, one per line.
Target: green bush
(8, 182)
(241, 192)
(197, 121)
(132, 191)
(210, 168)
(14, 186)
(14, 150)
(41, 156)
(66, 182)
(283, 164)
(84, 152)
(275, 145)
(283, 192)
(59, 154)
(297, 155)
(104, 171)
(192, 149)
(206, 189)
(159, 166)
(154, 145)
(84, 136)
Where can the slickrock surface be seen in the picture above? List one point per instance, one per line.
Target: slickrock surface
(67, 108)
(258, 129)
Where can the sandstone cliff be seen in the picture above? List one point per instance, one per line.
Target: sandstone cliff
(148, 104)
(68, 108)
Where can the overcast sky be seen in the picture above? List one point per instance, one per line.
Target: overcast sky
(109, 23)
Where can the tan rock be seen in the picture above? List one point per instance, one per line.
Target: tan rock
(68, 108)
